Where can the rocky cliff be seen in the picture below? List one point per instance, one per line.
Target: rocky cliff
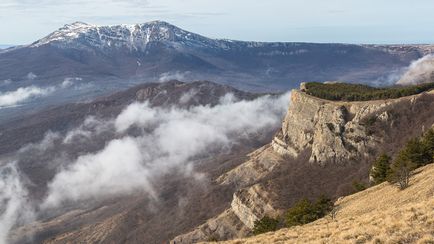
(335, 131)
(322, 147)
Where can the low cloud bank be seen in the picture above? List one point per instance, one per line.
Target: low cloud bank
(23, 94)
(69, 81)
(14, 207)
(171, 139)
(177, 75)
(31, 76)
(144, 143)
(115, 170)
(419, 71)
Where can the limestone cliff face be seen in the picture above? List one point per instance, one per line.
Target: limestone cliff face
(248, 205)
(334, 131)
(252, 204)
(261, 162)
(222, 227)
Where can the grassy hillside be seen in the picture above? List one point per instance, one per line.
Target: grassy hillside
(380, 214)
(358, 92)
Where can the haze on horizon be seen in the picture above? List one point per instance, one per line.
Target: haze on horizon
(346, 21)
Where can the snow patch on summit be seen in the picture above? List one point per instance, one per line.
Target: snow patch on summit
(134, 37)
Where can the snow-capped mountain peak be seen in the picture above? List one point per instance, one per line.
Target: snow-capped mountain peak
(133, 37)
(77, 24)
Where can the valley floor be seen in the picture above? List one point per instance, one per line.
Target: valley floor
(381, 214)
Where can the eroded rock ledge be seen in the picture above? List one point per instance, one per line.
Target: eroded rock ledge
(248, 205)
(334, 131)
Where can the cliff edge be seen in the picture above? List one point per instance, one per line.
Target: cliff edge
(322, 148)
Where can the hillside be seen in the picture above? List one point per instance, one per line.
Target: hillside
(321, 149)
(44, 144)
(381, 214)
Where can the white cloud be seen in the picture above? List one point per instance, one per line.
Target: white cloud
(137, 113)
(31, 76)
(68, 82)
(46, 143)
(419, 71)
(187, 96)
(177, 75)
(170, 139)
(165, 139)
(22, 94)
(90, 127)
(115, 170)
(14, 207)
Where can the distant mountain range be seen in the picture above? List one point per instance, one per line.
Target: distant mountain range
(97, 60)
(159, 50)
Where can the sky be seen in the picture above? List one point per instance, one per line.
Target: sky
(346, 21)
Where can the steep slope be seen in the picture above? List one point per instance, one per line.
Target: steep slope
(322, 147)
(381, 214)
(44, 144)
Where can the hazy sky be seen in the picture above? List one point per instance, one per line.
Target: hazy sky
(350, 21)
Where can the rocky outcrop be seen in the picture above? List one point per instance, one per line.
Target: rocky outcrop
(252, 204)
(223, 227)
(261, 162)
(248, 205)
(334, 131)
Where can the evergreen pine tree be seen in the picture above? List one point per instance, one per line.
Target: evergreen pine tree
(380, 169)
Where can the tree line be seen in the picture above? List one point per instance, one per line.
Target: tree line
(359, 92)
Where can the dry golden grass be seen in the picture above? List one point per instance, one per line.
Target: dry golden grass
(381, 214)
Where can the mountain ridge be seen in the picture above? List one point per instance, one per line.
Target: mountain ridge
(151, 50)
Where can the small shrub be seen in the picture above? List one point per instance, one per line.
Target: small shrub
(301, 213)
(323, 205)
(331, 127)
(266, 224)
(400, 170)
(358, 186)
(334, 212)
(417, 152)
(304, 211)
(380, 169)
(212, 239)
(371, 121)
(428, 143)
